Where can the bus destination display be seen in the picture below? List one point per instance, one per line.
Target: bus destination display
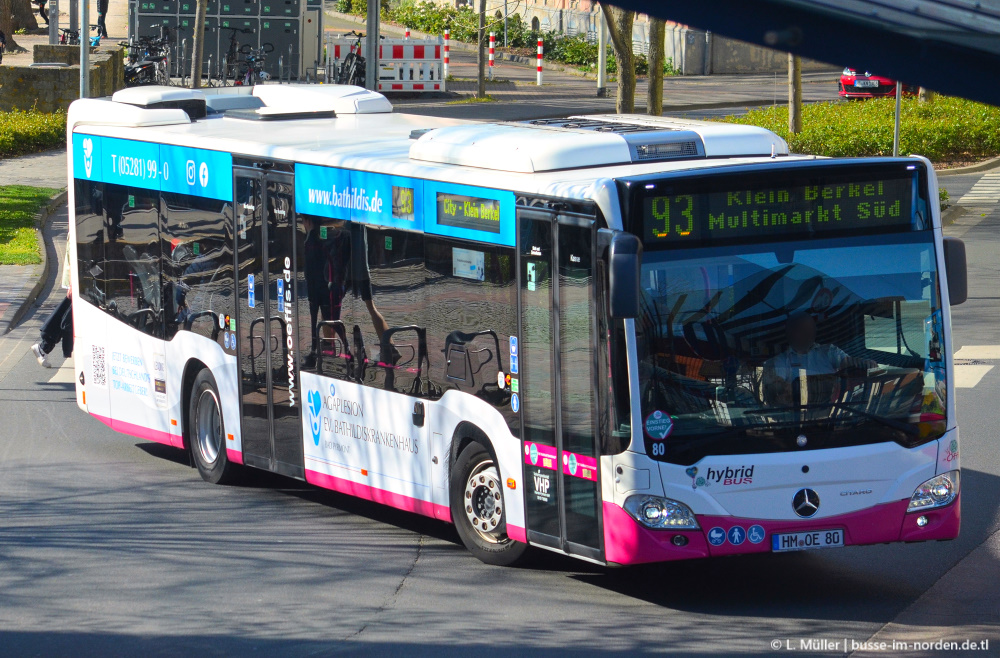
(468, 212)
(771, 212)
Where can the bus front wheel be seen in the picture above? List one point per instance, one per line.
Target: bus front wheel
(477, 508)
(207, 433)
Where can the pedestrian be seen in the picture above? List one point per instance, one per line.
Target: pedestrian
(102, 14)
(59, 326)
(42, 11)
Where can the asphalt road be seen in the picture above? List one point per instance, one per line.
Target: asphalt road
(113, 546)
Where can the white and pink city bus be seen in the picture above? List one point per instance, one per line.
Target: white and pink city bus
(626, 339)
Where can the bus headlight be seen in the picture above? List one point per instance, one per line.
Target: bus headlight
(661, 513)
(939, 491)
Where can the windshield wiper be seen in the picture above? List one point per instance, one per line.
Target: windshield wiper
(888, 422)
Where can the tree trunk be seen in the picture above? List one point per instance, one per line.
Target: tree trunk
(620, 29)
(654, 94)
(198, 44)
(7, 26)
(24, 15)
(794, 94)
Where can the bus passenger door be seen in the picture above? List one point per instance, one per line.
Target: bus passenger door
(557, 373)
(265, 254)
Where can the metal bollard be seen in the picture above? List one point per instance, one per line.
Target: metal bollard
(209, 69)
(447, 40)
(493, 43)
(281, 69)
(290, 60)
(539, 74)
(225, 69)
(183, 62)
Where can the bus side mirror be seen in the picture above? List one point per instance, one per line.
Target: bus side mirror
(625, 260)
(954, 263)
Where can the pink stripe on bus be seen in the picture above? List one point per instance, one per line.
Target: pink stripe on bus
(399, 501)
(234, 456)
(517, 533)
(141, 432)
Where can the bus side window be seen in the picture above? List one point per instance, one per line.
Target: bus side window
(326, 304)
(90, 237)
(471, 313)
(132, 256)
(390, 287)
(197, 264)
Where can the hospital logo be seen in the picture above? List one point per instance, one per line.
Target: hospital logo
(88, 155)
(315, 404)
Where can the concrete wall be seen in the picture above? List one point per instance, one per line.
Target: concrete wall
(51, 88)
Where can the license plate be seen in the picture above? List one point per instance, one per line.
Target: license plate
(804, 541)
(866, 83)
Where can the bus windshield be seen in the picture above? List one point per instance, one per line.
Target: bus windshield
(790, 346)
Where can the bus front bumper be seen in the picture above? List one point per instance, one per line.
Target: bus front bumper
(628, 542)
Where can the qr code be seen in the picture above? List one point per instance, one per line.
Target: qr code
(98, 367)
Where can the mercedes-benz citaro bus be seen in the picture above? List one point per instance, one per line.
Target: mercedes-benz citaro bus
(623, 338)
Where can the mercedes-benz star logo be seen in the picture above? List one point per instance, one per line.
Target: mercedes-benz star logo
(805, 502)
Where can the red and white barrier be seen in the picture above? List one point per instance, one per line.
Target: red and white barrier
(447, 48)
(539, 81)
(407, 35)
(404, 64)
(493, 43)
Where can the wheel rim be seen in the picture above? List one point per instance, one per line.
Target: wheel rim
(208, 425)
(484, 502)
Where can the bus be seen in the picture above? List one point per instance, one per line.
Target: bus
(626, 339)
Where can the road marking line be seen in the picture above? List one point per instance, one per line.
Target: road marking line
(988, 352)
(986, 189)
(969, 376)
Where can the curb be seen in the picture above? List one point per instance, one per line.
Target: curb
(992, 163)
(41, 220)
(951, 213)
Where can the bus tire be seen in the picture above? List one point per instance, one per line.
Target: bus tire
(207, 431)
(477, 508)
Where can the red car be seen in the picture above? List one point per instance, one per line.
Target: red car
(855, 83)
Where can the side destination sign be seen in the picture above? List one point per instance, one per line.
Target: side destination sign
(487, 215)
(151, 166)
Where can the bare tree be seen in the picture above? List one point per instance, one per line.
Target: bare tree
(620, 28)
(198, 44)
(654, 94)
(480, 55)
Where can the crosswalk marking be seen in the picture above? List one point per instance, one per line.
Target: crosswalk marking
(64, 374)
(987, 352)
(969, 376)
(986, 190)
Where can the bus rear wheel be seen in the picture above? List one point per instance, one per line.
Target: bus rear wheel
(207, 433)
(477, 508)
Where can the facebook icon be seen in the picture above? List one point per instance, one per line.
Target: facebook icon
(736, 535)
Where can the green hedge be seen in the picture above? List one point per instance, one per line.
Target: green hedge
(30, 132)
(941, 130)
(464, 24)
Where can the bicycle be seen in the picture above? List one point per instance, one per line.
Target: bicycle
(352, 69)
(69, 37)
(253, 64)
(230, 61)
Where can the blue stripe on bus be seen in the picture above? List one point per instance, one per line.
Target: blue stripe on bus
(151, 166)
(394, 201)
